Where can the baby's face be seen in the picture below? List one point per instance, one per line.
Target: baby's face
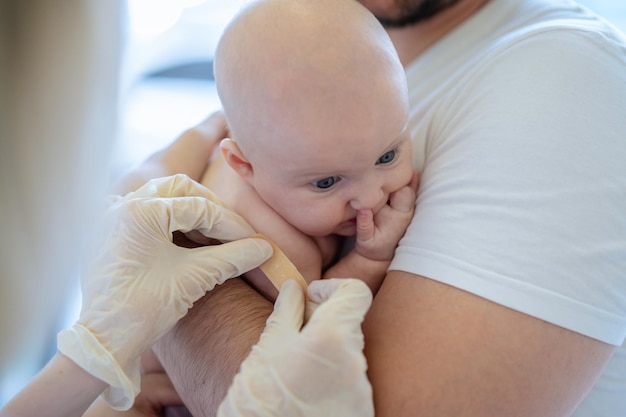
(318, 182)
(319, 108)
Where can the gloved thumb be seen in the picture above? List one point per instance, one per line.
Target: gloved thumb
(342, 301)
(286, 319)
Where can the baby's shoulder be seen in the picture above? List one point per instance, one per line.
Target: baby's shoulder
(306, 253)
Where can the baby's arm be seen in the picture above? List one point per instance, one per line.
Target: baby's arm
(376, 239)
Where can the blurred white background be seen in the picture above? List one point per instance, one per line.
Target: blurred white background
(167, 71)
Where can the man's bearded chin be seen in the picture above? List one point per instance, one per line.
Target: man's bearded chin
(410, 12)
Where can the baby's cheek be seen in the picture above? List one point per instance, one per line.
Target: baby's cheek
(317, 224)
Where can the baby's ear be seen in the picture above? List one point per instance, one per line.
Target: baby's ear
(236, 159)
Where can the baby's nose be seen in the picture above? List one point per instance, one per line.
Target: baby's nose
(369, 198)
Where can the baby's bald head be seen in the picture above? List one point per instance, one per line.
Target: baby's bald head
(283, 66)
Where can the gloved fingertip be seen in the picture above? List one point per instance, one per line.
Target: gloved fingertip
(232, 258)
(339, 296)
(288, 290)
(321, 290)
(291, 284)
(289, 305)
(264, 246)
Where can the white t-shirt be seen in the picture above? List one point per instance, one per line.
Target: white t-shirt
(518, 120)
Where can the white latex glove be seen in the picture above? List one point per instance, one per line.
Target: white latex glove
(140, 283)
(319, 370)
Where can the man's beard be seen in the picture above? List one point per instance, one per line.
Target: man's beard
(414, 11)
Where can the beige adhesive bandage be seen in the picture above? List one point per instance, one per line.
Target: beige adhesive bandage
(279, 268)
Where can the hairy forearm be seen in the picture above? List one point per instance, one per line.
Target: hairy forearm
(203, 352)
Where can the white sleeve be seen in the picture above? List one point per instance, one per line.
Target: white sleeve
(523, 193)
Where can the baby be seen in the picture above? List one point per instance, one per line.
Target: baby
(316, 102)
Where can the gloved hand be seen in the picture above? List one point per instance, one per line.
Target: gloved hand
(140, 283)
(319, 370)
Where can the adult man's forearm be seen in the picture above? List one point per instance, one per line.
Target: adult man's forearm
(203, 352)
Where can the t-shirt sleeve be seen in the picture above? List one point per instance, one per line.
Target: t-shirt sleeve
(522, 196)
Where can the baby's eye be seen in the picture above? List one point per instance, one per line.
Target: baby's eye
(326, 182)
(387, 157)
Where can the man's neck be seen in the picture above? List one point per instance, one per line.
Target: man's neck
(411, 41)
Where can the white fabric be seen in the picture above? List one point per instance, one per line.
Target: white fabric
(519, 128)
